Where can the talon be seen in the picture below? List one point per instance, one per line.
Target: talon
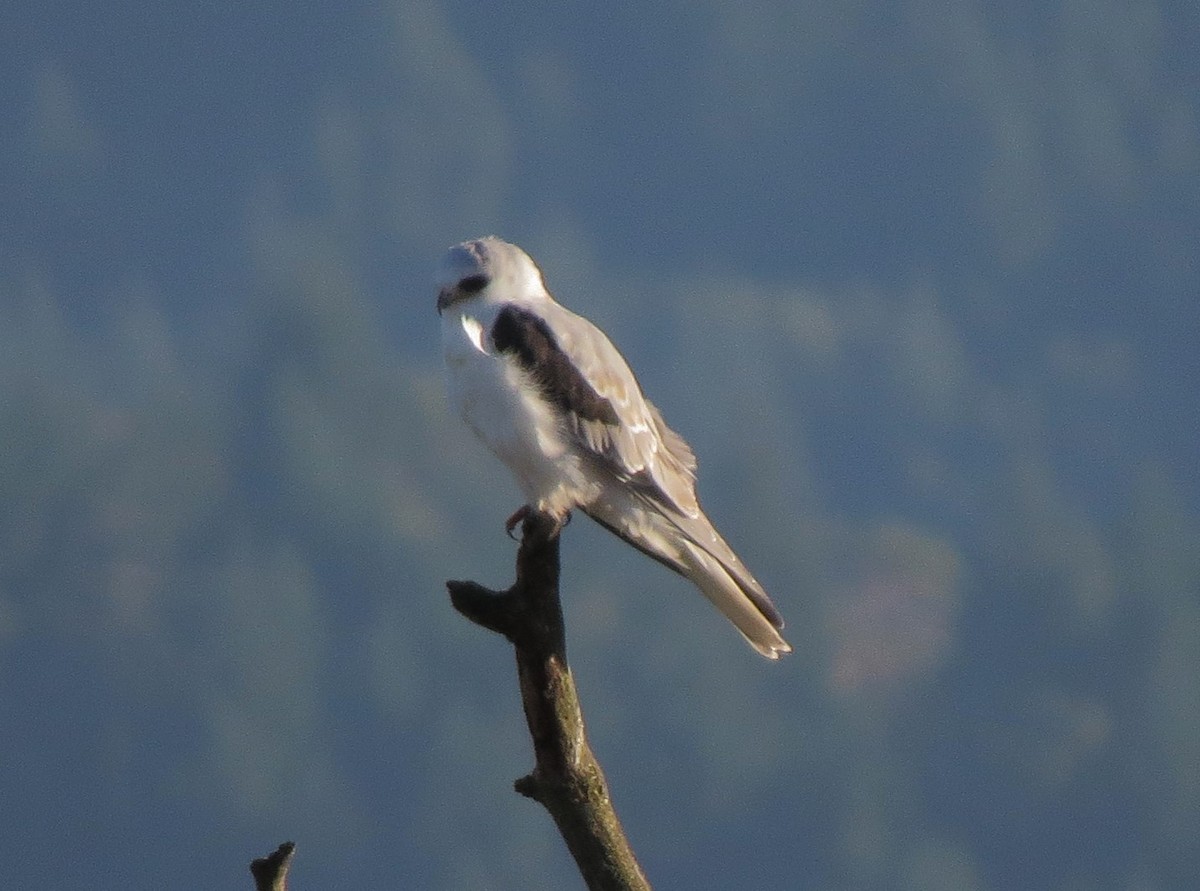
(560, 522)
(518, 516)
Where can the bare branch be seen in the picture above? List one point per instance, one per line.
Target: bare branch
(270, 872)
(567, 779)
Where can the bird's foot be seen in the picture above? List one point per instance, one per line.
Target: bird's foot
(518, 516)
(524, 511)
(560, 523)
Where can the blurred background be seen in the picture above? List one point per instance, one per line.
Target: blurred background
(917, 280)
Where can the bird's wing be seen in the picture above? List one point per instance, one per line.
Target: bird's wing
(600, 402)
(588, 381)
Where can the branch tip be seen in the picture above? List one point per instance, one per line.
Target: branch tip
(489, 609)
(529, 786)
(270, 872)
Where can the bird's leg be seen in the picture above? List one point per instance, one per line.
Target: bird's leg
(522, 513)
(518, 516)
(560, 522)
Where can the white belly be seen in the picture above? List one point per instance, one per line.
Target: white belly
(498, 401)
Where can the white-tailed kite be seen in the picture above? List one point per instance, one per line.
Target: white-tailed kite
(550, 395)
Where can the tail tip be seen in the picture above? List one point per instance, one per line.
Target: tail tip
(772, 650)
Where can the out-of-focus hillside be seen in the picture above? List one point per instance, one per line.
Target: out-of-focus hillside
(918, 283)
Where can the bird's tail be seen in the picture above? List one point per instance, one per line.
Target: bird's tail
(740, 599)
(692, 547)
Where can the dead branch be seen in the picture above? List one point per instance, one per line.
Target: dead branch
(567, 779)
(270, 872)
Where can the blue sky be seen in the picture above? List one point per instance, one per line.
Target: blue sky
(917, 281)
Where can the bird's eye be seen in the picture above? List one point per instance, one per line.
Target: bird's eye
(473, 284)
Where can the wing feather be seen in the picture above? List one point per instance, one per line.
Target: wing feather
(640, 448)
(600, 401)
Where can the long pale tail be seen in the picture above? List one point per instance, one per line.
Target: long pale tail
(738, 602)
(691, 547)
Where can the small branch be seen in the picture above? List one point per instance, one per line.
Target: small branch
(567, 779)
(270, 872)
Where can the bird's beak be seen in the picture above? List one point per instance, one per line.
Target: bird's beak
(445, 298)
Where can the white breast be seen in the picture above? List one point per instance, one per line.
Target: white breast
(502, 405)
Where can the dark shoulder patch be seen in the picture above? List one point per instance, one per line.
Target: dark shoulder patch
(531, 343)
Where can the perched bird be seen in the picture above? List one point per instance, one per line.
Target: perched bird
(551, 397)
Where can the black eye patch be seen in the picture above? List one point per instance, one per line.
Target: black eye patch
(473, 284)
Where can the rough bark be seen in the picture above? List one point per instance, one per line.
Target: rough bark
(567, 779)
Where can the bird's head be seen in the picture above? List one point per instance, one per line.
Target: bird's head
(490, 270)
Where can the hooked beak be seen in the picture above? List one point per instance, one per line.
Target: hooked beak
(445, 298)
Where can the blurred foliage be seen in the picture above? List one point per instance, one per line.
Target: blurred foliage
(918, 284)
